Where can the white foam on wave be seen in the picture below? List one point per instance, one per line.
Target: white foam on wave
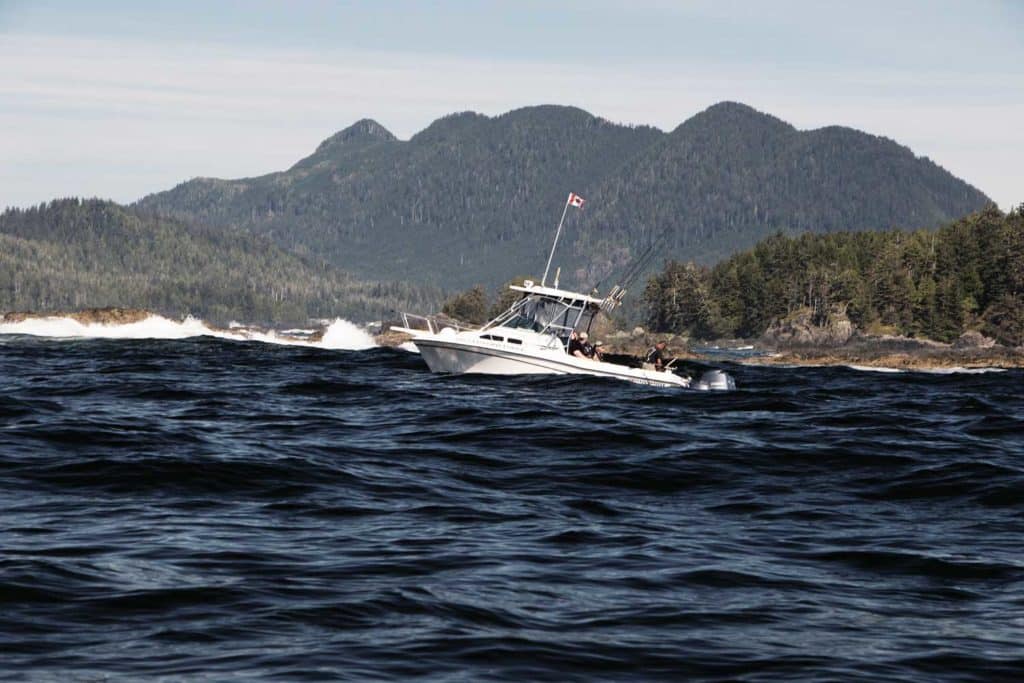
(871, 368)
(961, 371)
(153, 327)
(931, 371)
(408, 346)
(340, 335)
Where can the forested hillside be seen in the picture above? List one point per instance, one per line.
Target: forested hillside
(473, 199)
(935, 284)
(71, 254)
(731, 176)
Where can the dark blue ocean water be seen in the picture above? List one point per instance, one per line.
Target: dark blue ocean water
(236, 511)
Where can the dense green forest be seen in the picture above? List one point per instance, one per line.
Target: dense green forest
(936, 284)
(476, 307)
(71, 254)
(474, 199)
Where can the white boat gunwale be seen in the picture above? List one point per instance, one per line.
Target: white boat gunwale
(555, 365)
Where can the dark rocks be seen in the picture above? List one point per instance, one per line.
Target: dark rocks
(894, 343)
(805, 328)
(974, 340)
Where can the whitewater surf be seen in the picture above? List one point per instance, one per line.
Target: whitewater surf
(339, 334)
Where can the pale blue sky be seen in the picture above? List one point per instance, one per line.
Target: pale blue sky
(119, 99)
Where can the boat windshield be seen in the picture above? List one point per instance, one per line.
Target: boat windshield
(545, 314)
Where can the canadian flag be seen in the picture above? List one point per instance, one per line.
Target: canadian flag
(576, 200)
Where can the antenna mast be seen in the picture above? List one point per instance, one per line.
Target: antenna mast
(573, 200)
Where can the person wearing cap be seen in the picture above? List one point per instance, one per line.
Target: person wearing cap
(576, 342)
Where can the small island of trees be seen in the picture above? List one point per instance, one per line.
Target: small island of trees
(968, 275)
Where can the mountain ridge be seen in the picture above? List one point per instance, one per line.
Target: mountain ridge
(474, 198)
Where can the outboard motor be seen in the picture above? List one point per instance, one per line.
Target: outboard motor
(714, 380)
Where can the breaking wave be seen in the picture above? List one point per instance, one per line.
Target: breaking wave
(932, 371)
(873, 368)
(962, 371)
(340, 334)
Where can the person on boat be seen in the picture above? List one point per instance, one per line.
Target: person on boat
(656, 356)
(588, 348)
(598, 353)
(576, 341)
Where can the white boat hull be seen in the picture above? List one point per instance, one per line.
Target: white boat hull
(448, 358)
(459, 357)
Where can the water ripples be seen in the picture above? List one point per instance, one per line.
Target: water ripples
(240, 511)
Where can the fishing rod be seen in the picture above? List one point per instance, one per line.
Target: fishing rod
(644, 260)
(634, 266)
(638, 266)
(642, 264)
(630, 266)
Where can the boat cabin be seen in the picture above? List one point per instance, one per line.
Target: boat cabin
(548, 311)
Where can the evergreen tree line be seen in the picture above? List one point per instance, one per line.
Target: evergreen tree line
(475, 307)
(475, 199)
(934, 284)
(70, 254)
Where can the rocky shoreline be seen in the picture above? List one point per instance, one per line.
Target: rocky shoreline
(86, 316)
(897, 353)
(867, 353)
(799, 339)
(786, 348)
(971, 351)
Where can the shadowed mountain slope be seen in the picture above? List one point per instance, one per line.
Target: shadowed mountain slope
(71, 254)
(473, 198)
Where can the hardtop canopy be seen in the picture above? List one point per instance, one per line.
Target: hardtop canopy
(530, 288)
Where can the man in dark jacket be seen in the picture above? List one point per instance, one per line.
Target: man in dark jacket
(588, 348)
(575, 347)
(656, 356)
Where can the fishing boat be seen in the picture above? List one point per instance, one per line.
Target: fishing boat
(534, 336)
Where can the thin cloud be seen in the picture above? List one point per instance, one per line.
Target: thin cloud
(88, 114)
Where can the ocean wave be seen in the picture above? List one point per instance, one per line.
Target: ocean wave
(956, 370)
(340, 334)
(228, 504)
(961, 371)
(872, 368)
(344, 335)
